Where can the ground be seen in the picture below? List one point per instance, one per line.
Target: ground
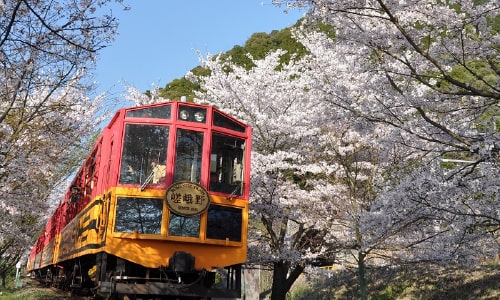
(422, 282)
(34, 290)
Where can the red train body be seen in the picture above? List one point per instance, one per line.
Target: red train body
(159, 208)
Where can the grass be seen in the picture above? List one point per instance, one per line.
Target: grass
(32, 290)
(423, 282)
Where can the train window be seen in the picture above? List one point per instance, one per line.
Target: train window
(224, 222)
(226, 164)
(221, 121)
(141, 215)
(192, 114)
(90, 177)
(144, 154)
(159, 112)
(189, 150)
(184, 226)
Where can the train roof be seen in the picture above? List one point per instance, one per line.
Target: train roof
(155, 108)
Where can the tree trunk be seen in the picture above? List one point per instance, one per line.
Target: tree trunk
(283, 278)
(279, 288)
(363, 292)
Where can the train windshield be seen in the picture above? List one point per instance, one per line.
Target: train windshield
(226, 164)
(188, 154)
(138, 215)
(144, 154)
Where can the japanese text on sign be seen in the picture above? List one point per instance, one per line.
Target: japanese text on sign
(187, 198)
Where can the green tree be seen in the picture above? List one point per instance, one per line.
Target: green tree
(257, 46)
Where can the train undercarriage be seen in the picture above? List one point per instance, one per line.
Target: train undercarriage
(105, 276)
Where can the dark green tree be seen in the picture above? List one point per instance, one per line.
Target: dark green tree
(257, 46)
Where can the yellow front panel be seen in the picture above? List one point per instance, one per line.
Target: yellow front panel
(155, 253)
(154, 250)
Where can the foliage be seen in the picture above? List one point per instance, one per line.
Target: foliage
(261, 43)
(257, 46)
(182, 87)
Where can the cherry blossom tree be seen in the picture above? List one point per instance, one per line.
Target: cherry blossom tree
(46, 52)
(430, 70)
(291, 218)
(138, 98)
(313, 165)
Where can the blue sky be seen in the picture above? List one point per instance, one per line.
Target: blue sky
(158, 39)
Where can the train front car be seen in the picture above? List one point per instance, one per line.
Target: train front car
(179, 209)
(165, 211)
(180, 206)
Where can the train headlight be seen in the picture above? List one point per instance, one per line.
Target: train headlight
(199, 116)
(184, 115)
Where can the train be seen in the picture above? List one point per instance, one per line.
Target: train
(157, 210)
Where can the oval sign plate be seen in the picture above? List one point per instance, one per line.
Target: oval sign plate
(187, 198)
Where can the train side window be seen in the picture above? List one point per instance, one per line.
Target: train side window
(184, 226)
(144, 154)
(189, 150)
(221, 121)
(141, 215)
(226, 164)
(224, 222)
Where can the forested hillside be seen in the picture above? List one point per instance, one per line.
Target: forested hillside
(258, 45)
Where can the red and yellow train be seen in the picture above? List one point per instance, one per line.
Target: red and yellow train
(158, 208)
